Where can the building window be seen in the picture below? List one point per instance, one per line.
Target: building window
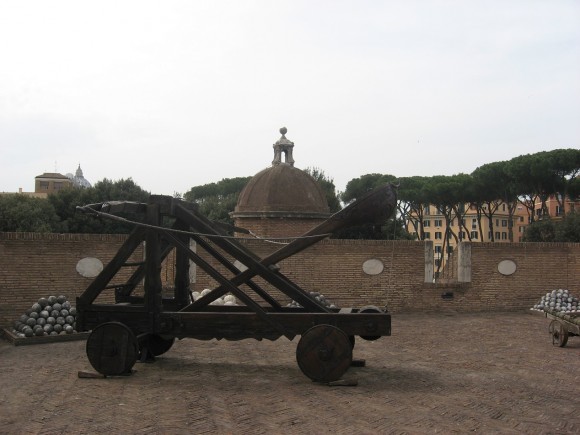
(58, 185)
(426, 223)
(449, 249)
(438, 235)
(462, 235)
(521, 218)
(426, 210)
(427, 235)
(44, 185)
(504, 222)
(497, 222)
(497, 235)
(474, 234)
(504, 236)
(437, 263)
(438, 249)
(438, 223)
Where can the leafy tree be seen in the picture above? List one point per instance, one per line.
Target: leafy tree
(218, 200)
(492, 188)
(568, 229)
(564, 168)
(328, 187)
(549, 230)
(66, 201)
(393, 228)
(357, 187)
(412, 200)
(20, 213)
(540, 231)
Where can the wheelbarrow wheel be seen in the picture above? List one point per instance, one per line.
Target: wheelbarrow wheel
(324, 353)
(559, 333)
(112, 349)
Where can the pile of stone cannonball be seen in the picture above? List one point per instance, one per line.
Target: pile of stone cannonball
(315, 295)
(561, 301)
(225, 300)
(49, 316)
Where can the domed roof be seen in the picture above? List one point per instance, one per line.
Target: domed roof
(78, 179)
(282, 189)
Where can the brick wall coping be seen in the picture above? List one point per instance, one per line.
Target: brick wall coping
(121, 237)
(62, 237)
(534, 245)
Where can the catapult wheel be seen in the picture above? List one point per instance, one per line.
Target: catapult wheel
(370, 309)
(112, 349)
(157, 345)
(324, 353)
(559, 333)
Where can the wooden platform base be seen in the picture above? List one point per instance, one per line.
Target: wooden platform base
(19, 341)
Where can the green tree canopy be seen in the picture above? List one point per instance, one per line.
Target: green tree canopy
(328, 187)
(20, 213)
(65, 203)
(218, 200)
(549, 230)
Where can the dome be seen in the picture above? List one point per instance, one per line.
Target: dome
(78, 179)
(282, 189)
(281, 199)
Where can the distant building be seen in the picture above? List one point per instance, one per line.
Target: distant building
(78, 179)
(53, 182)
(498, 230)
(555, 208)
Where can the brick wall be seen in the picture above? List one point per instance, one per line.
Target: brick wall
(37, 265)
(334, 268)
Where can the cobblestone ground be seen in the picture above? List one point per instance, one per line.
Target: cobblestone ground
(488, 373)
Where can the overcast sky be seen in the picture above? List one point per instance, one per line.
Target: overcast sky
(177, 94)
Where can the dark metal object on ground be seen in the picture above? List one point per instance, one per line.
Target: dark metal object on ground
(147, 325)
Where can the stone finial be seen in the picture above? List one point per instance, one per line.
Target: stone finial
(285, 146)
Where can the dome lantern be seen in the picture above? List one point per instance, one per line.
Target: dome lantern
(284, 146)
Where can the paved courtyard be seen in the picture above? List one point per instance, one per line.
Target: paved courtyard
(486, 373)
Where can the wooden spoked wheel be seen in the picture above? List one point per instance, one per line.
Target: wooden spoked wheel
(112, 349)
(157, 345)
(324, 353)
(559, 333)
(370, 309)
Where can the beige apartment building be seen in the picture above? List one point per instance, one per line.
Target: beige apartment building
(434, 227)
